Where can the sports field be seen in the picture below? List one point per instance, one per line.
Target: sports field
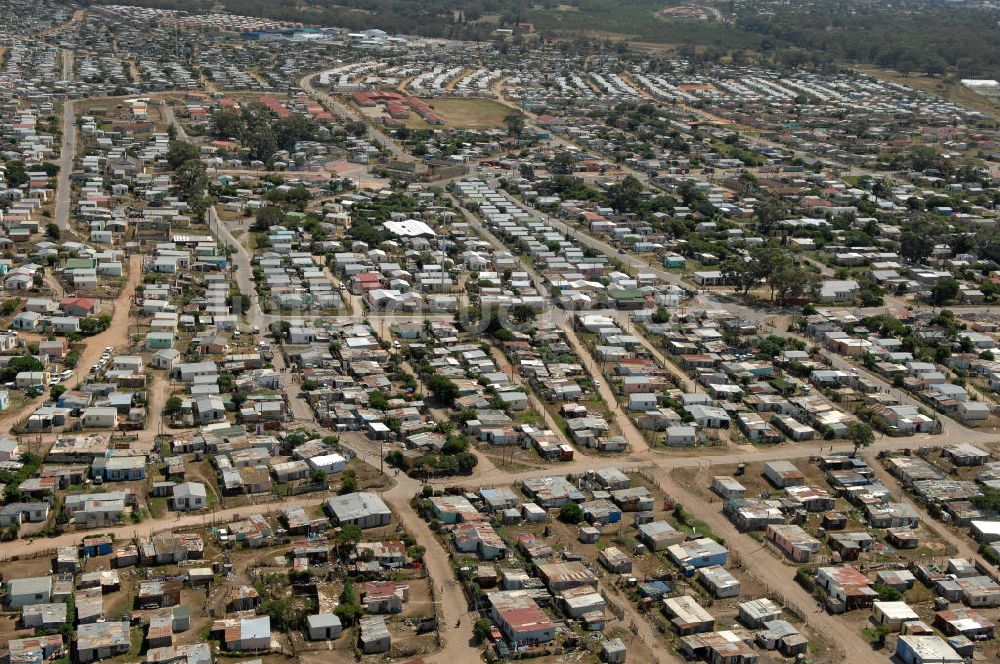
(464, 113)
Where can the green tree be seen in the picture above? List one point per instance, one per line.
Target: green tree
(16, 174)
(347, 539)
(261, 142)
(989, 499)
(349, 534)
(861, 435)
(944, 290)
(744, 273)
(916, 244)
(172, 406)
(769, 212)
(792, 281)
(444, 389)
(562, 163)
(378, 400)
(285, 614)
(291, 130)
(268, 216)
(571, 513)
(227, 124)
(514, 123)
(10, 305)
(20, 363)
(887, 593)
(482, 629)
(660, 316)
(179, 152)
(349, 610)
(348, 485)
(522, 313)
(191, 178)
(626, 196)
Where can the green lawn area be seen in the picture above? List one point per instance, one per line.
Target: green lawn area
(529, 416)
(157, 506)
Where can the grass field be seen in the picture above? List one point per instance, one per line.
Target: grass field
(465, 113)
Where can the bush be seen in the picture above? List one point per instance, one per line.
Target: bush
(172, 406)
(571, 513)
(887, 593)
(482, 629)
(10, 305)
(805, 579)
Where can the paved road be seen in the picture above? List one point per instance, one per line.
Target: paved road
(66, 156)
(168, 117)
(244, 269)
(67, 64)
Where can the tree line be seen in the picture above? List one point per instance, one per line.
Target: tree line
(913, 36)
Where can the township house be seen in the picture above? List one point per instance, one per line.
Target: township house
(796, 543)
(519, 618)
(244, 634)
(846, 586)
(189, 496)
(783, 474)
(365, 510)
(95, 641)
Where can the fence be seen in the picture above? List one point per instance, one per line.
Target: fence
(438, 611)
(769, 591)
(44, 553)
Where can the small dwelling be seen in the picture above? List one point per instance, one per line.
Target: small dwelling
(323, 627)
(613, 651)
(719, 581)
(893, 614)
(374, 636)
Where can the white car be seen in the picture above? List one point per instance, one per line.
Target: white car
(66, 375)
(54, 380)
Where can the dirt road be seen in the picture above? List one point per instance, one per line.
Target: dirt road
(456, 621)
(116, 335)
(772, 572)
